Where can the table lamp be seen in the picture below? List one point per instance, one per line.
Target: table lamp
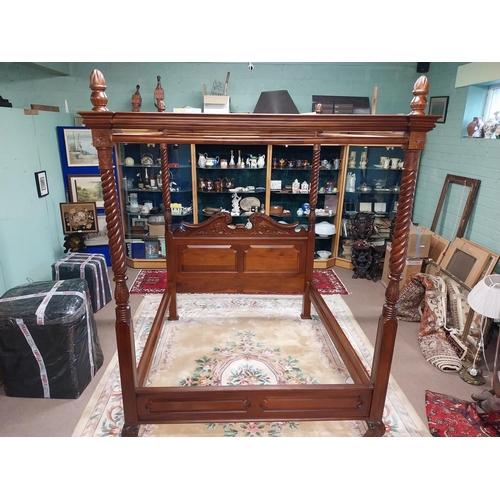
(484, 299)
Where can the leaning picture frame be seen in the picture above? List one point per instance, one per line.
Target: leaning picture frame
(80, 152)
(42, 185)
(86, 188)
(439, 106)
(79, 218)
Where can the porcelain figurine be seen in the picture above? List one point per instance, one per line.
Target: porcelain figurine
(235, 204)
(352, 159)
(296, 187)
(363, 160)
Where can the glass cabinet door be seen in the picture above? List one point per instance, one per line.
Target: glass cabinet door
(290, 186)
(232, 179)
(141, 195)
(372, 186)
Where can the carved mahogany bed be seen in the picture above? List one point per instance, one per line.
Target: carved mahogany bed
(215, 256)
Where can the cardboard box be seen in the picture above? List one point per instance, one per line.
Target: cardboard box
(156, 229)
(216, 104)
(412, 266)
(419, 242)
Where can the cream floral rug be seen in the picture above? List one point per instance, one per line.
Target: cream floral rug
(242, 340)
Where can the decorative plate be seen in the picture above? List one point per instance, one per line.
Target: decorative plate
(249, 202)
(211, 210)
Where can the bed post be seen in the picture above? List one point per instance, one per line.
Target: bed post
(311, 240)
(167, 199)
(101, 133)
(388, 324)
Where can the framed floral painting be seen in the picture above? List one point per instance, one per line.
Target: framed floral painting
(79, 218)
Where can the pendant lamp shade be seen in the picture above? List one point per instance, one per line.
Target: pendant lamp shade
(484, 298)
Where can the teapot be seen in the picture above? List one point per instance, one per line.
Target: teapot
(147, 160)
(379, 183)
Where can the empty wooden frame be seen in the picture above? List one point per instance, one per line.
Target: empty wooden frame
(467, 261)
(473, 184)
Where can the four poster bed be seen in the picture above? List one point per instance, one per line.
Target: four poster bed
(214, 256)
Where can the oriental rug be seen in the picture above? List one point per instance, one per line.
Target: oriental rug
(240, 340)
(155, 281)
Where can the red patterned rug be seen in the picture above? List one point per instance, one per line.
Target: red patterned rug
(155, 281)
(448, 416)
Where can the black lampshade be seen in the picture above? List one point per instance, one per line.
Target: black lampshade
(275, 101)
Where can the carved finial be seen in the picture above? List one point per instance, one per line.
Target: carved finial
(136, 99)
(420, 91)
(319, 108)
(98, 97)
(159, 96)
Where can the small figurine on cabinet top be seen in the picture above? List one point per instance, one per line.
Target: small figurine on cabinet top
(136, 100)
(159, 95)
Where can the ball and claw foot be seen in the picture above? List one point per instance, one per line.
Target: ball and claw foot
(130, 431)
(375, 429)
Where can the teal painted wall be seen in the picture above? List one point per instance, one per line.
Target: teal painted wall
(31, 236)
(446, 151)
(182, 83)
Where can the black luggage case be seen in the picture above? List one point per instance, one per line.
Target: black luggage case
(49, 347)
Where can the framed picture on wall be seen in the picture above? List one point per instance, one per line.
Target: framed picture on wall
(80, 151)
(42, 185)
(86, 188)
(439, 106)
(79, 218)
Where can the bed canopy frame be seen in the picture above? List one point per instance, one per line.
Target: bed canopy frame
(213, 256)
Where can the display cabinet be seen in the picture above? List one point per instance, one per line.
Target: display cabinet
(371, 185)
(274, 179)
(140, 182)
